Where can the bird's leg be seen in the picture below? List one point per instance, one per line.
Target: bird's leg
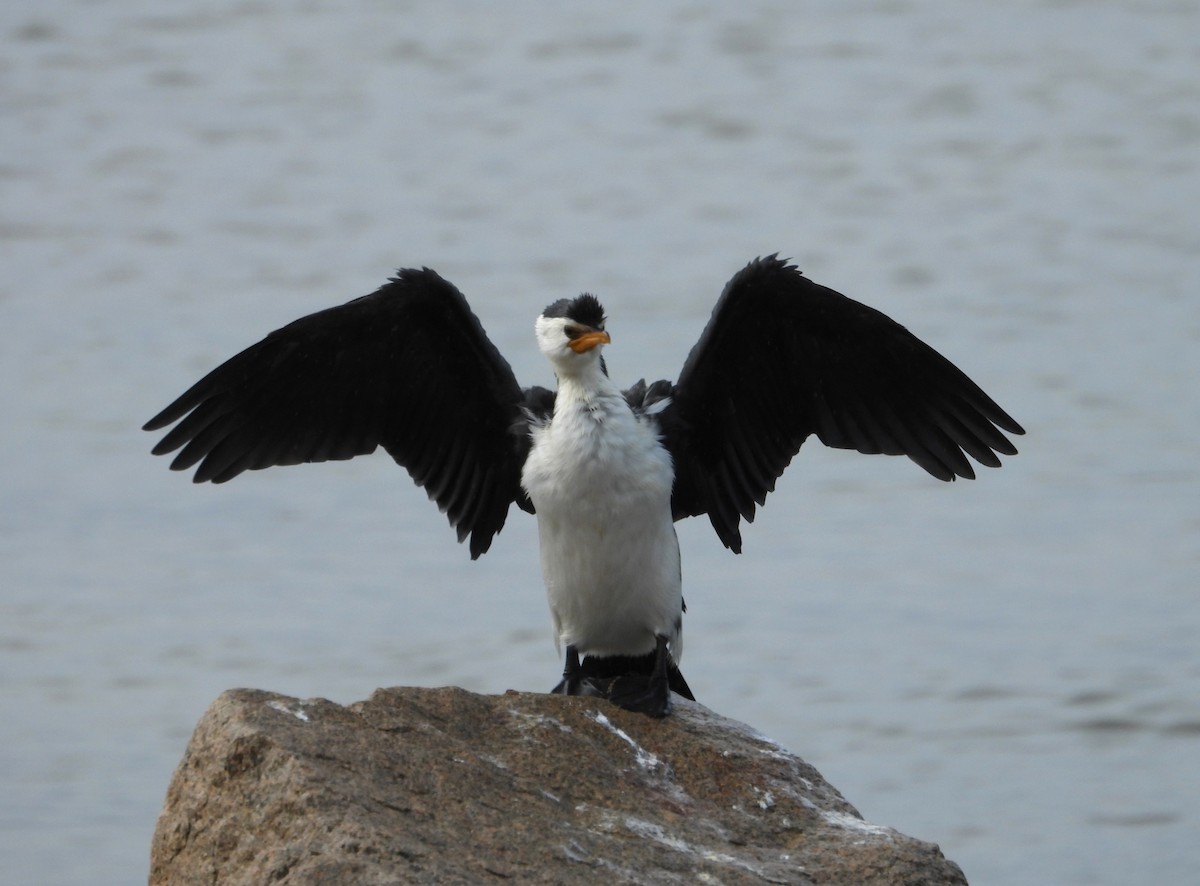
(573, 681)
(646, 694)
(569, 684)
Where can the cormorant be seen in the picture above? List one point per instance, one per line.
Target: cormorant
(606, 471)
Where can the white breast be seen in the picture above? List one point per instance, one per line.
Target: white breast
(601, 484)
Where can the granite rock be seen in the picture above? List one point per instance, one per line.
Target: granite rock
(445, 786)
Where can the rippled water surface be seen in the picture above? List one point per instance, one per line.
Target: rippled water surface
(1007, 667)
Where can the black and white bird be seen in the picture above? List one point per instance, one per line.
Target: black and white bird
(606, 471)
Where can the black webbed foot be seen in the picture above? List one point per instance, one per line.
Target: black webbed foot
(576, 682)
(637, 692)
(641, 683)
(650, 693)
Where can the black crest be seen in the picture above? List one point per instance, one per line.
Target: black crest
(586, 309)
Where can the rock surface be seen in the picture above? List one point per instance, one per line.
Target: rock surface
(443, 786)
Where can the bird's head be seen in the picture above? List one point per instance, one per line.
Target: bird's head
(571, 333)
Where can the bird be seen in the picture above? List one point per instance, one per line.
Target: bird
(607, 472)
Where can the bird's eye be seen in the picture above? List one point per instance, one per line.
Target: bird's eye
(573, 332)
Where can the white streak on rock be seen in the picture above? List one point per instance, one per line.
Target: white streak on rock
(296, 709)
(644, 758)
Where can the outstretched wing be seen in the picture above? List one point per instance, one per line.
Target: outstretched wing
(782, 358)
(408, 367)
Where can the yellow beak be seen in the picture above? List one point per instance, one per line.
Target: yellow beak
(588, 340)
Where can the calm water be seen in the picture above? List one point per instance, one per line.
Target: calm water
(1007, 667)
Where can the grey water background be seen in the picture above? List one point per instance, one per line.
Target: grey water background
(1007, 667)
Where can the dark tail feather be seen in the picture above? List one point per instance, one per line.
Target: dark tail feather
(678, 684)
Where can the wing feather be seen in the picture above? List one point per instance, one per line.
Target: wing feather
(408, 367)
(783, 358)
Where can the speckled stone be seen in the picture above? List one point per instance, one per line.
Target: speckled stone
(444, 786)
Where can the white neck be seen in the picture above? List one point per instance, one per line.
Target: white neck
(584, 382)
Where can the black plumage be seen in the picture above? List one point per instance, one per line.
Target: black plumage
(584, 309)
(783, 358)
(409, 368)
